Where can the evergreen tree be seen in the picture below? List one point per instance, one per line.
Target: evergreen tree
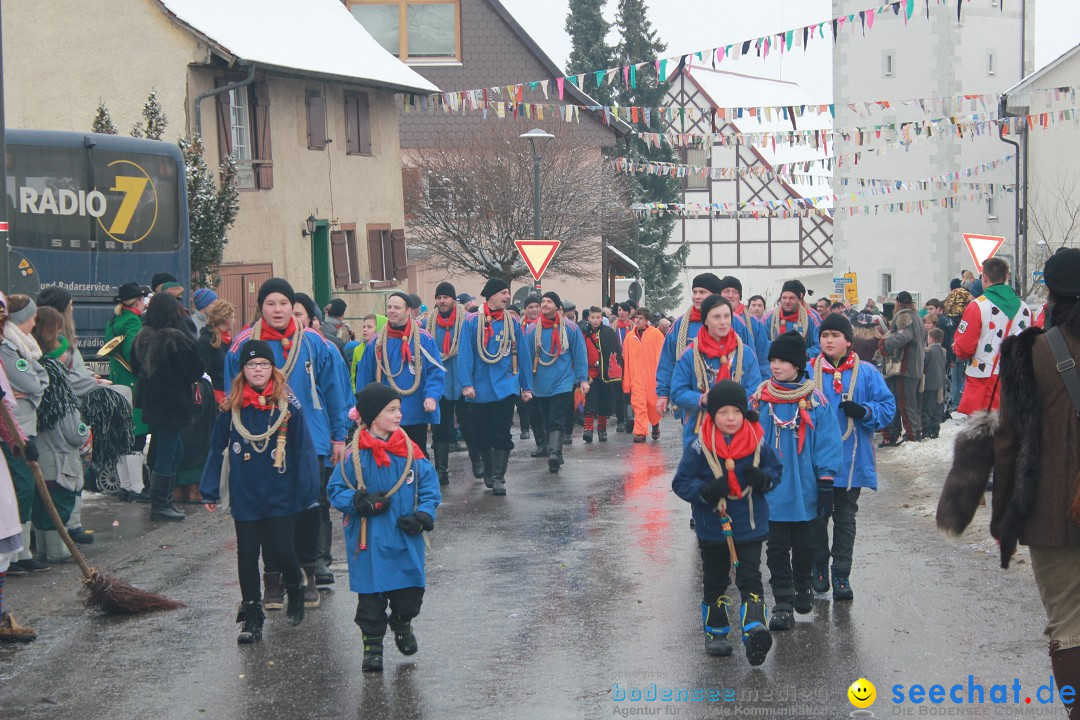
(659, 265)
(154, 121)
(590, 51)
(211, 210)
(103, 121)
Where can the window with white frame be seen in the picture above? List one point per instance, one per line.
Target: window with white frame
(240, 124)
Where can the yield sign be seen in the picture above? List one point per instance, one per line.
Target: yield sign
(537, 254)
(982, 247)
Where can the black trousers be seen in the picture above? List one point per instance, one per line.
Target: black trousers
(790, 556)
(716, 569)
(306, 526)
(621, 400)
(845, 506)
(324, 554)
(557, 411)
(536, 421)
(452, 413)
(275, 537)
(523, 415)
(418, 433)
(931, 411)
(491, 423)
(371, 610)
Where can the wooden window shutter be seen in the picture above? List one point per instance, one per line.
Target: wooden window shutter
(339, 255)
(375, 254)
(363, 121)
(316, 121)
(224, 122)
(352, 129)
(400, 255)
(264, 169)
(354, 256)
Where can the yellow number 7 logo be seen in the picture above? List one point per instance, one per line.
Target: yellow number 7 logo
(132, 188)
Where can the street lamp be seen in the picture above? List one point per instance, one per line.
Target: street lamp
(312, 223)
(537, 140)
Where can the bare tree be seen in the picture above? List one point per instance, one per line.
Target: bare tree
(467, 205)
(1053, 215)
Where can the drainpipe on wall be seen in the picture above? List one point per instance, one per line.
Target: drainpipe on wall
(218, 91)
(1019, 271)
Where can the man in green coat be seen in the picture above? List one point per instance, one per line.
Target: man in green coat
(126, 322)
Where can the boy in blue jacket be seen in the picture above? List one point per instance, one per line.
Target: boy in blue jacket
(802, 428)
(387, 492)
(724, 475)
(863, 404)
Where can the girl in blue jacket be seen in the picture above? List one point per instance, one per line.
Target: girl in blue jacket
(724, 475)
(387, 492)
(272, 476)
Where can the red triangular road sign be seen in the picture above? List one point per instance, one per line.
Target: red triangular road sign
(537, 254)
(982, 247)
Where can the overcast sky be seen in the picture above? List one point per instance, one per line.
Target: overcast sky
(688, 25)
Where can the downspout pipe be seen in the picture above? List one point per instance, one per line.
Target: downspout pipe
(218, 91)
(1018, 271)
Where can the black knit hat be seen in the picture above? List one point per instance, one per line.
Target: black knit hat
(904, 297)
(554, 297)
(371, 400)
(129, 291)
(55, 297)
(794, 286)
(709, 281)
(839, 323)
(730, 281)
(531, 300)
(337, 308)
(310, 307)
(445, 288)
(405, 297)
(276, 285)
(955, 283)
(161, 278)
(494, 286)
(1061, 273)
(724, 393)
(254, 349)
(790, 347)
(710, 302)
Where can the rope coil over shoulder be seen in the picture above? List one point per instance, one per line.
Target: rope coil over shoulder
(354, 451)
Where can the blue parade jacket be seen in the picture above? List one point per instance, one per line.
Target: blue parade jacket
(569, 368)
(452, 377)
(686, 395)
(393, 559)
(493, 382)
(431, 378)
(257, 489)
(694, 473)
(666, 368)
(758, 338)
(795, 498)
(319, 381)
(813, 344)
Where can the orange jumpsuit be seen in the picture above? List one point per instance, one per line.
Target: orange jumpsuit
(641, 355)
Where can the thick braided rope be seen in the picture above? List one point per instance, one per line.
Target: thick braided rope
(262, 439)
(459, 320)
(382, 358)
(684, 335)
(803, 325)
(818, 380)
(360, 473)
(564, 343)
(292, 354)
(701, 368)
(504, 345)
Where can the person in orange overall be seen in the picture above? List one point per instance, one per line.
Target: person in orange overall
(641, 355)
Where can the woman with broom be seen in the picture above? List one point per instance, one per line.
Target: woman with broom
(262, 464)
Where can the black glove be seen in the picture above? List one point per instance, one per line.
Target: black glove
(824, 498)
(853, 410)
(370, 504)
(415, 523)
(30, 452)
(713, 491)
(755, 478)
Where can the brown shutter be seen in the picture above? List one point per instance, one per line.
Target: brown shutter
(316, 121)
(352, 130)
(339, 254)
(375, 254)
(354, 256)
(264, 170)
(224, 122)
(401, 258)
(363, 121)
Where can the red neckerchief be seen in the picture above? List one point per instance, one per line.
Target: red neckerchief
(133, 309)
(695, 315)
(284, 337)
(804, 408)
(447, 324)
(791, 318)
(743, 443)
(258, 400)
(381, 450)
(848, 363)
(722, 349)
(403, 335)
(226, 337)
(492, 316)
(738, 308)
(552, 324)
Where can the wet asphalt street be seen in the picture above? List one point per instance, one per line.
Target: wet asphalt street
(547, 603)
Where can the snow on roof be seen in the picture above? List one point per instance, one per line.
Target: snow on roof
(317, 37)
(614, 251)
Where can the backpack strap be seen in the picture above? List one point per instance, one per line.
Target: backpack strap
(1066, 366)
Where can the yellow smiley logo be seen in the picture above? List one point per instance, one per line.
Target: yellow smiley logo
(862, 693)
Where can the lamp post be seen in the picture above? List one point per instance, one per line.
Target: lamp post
(537, 140)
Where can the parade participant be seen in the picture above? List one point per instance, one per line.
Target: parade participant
(559, 365)
(369, 327)
(756, 306)
(724, 475)
(623, 326)
(822, 306)
(202, 298)
(1036, 497)
(531, 317)
(904, 349)
(405, 357)
(857, 393)
(126, 322)
(755, 330)
(995, 314)
(321, 387)
(794, 314)
(802, 428)
(387, 492)
(495, 368)
(569, 311)
(604, 353)
(214, 341)
(335, 324)
(11, 542)
(262, 465)
(641, 357)
(445, 326)
(717, 353)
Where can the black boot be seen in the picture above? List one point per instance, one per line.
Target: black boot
(819, 578)
(500, 459)
(252, 616)
(601, 435)
(804, 598)
(714, 619)
(755, 631)
(294, 611)
(842, 588)
(555, 454)
(1066, 665)
(441, 451)
(477, 460)
(587, 437)
(782, 616)
(161, 503)
(404, 637)
(273, 593)
(489, 467)
(372, 653)
(323, 576)
(541, 450)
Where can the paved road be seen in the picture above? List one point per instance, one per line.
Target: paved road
(539, 604)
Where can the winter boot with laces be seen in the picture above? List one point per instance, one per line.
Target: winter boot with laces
(782, 616)
(804, 598)
(294, 611)
(755, 632)
(842, 588)
(819, 579)
(251, 616)
(273, 592)
(714, 618)
(372, 653)
(403, 636)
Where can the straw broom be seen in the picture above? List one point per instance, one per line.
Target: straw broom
(110, 594)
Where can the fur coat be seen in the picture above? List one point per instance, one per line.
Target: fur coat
(167, 367)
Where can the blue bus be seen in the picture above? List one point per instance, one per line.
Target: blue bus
(90, 212)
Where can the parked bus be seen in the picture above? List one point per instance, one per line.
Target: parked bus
(90, 212)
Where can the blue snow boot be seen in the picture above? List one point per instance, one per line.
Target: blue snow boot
(714, 618)
(842, 588)
(757, 640)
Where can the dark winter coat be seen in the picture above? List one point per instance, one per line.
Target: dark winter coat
(934, 369)
(1036, 448)
(609, 346)
(167, 368)
(907, 340)
(213, 358)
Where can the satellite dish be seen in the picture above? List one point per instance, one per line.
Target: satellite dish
(634, 291)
